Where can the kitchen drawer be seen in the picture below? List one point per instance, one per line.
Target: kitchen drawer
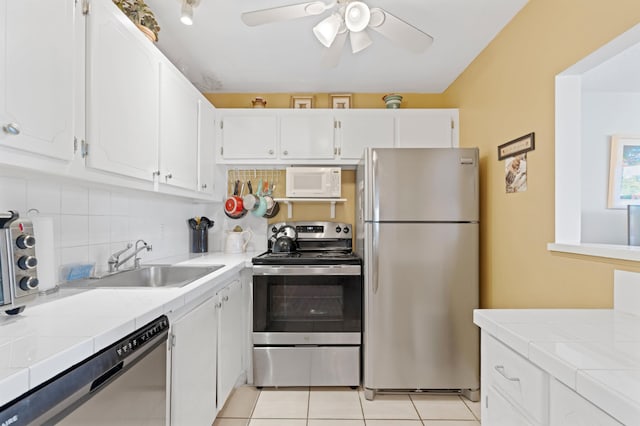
(570, 409)
(500, 412)
(518, 379)
(306, 366)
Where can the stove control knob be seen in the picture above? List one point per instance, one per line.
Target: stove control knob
(28, 283)
(345, 230)
(338, 229)
(27, 262)
(274, 229)
(26, 241)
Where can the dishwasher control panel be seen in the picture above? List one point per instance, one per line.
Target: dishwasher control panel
(142, 336)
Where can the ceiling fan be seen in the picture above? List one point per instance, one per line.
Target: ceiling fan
(350, 18)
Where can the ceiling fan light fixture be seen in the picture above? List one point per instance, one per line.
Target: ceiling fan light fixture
(359, 41)
(186, 13)
(327, 29)
(357, 16)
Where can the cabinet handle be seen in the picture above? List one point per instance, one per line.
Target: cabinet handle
(219, 305)
(285, 152)
(12, 129)
(203, 186)
(169, 176)
(225, 298)
(335, 151)
(270, 152)
(500, 369)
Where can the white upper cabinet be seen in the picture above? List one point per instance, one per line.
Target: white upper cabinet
(122, 95)
(247, 134)
(206, 147)
(328, 136)
(426, 128)
(358, 129)
(38, 40)
(306, 135)
(178, 129)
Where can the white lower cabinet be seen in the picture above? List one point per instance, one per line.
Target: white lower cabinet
(193, 366)
(512, 386)
(570, 409)
(517, 392)
(497, 411)
(231, 338)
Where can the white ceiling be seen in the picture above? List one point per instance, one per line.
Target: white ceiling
(219, 53)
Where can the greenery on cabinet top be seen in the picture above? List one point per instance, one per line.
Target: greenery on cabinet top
(139, 13)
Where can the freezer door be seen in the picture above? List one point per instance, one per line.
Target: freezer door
(421, 287)
(431, 184)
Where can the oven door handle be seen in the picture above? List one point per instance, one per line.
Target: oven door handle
(306, 269)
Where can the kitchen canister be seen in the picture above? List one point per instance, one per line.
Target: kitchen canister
(199, 234)
(45, 253)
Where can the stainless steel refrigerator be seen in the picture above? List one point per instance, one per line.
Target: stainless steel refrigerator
(417, 232)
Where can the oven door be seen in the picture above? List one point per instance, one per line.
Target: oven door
(307, 305)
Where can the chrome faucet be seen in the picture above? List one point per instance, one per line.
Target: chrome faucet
(114, 261)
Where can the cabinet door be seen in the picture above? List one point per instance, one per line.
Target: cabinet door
(570, 409)
(206, 146)
(361, 129)
(230, 340)
(122, 95)
(426, 128)
(306, 135)
(178, 129)
(193, 366)
(248, 134)
(497, 411)
(37, 74)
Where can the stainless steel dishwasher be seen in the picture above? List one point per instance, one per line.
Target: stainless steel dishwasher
(124, 383)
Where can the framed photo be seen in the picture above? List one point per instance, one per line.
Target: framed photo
(302, 102)
(624, 172)
(342, 101)
(517, 146)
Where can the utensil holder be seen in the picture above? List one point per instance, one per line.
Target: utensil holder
(199, 240)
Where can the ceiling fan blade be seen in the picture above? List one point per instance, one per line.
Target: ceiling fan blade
(283, 13)
(332, 55)
(360, 40)
(399, 31)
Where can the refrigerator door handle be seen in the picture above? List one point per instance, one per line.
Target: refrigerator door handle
(375, 238)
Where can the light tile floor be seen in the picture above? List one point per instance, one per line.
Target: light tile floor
(338, 406)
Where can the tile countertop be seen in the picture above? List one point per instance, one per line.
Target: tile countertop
(63, 329)
(595, 352)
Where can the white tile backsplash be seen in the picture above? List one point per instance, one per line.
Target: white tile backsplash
(45, 197)
(99, 202)
(74, 230)
(74, 200)
(12, 195)
(99, 229)
(91, 222)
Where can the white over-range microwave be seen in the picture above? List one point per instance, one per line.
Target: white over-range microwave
(314, 182)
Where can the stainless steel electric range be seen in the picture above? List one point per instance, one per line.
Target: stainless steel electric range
(307, 307)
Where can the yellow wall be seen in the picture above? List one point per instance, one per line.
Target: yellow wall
(345, 211)
(508, 91)
(321, 100)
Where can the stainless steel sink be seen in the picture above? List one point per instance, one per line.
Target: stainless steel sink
(148, 276)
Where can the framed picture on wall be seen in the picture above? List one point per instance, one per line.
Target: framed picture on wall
(342, 101)
(624, 172)
(302, 102)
